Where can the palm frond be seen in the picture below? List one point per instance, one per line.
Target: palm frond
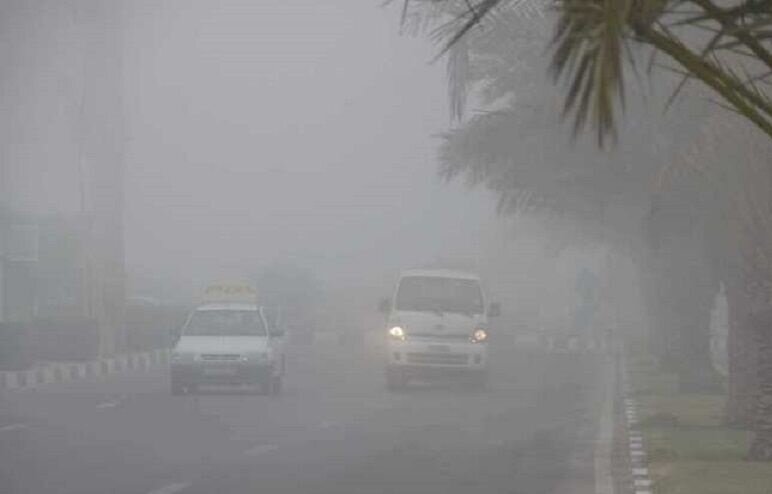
(588, 52)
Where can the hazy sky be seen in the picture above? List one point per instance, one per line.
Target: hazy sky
(286, 129)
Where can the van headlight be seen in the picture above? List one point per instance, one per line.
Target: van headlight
(397, 333)
(479, 335)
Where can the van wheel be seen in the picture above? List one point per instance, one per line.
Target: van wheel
(396, 380)
(177, 388)
(265, 384)
(277, 385)
(478, 381)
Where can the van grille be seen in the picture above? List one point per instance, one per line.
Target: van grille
(438, 358)
(435, 336)
(220, 357)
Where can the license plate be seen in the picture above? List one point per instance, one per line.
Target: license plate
(439, 348)
(220, 372)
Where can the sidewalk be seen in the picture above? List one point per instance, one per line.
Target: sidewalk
(61, 372)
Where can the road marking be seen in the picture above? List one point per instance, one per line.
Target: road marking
(171, 488)
(497, 443)
(13, 427)
(108, 404)
(261, 449)
(327, 424)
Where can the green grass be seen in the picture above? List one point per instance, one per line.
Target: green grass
(690, 450)
(712, 477)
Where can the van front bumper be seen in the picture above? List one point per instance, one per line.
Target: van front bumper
(437, 357)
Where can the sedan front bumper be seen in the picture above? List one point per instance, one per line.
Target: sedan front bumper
(221, 373)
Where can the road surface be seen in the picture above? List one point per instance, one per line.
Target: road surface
(334, 430)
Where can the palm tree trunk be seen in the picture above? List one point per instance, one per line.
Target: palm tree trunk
(761, 447)
(743, 382)
(694, 366)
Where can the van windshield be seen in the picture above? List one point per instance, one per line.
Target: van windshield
(225, 323)
(421, 293)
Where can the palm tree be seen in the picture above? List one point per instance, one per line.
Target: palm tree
(724, 45)
(594, 44)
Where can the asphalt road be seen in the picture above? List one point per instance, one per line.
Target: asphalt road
(335, 429)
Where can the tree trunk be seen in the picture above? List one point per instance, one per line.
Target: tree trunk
(742, 350)
(761, 447)
(696, 373)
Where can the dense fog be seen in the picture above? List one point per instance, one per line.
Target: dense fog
(341, 204)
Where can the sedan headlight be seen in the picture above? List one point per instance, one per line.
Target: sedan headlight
(479, 335)
(256, 357)
(397, 333)
(177, 357)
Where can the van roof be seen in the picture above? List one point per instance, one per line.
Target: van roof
(440, 273)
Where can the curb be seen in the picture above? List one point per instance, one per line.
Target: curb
(57, 373)
(602, 458)
(642, 483)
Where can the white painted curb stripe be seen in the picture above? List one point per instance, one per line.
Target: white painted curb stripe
(640, 472)
(61, 373)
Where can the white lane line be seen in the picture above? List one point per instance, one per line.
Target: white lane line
(108, 404)
(327, 424)
(261, 449)
(641, 472)
(13, 427)
(171, 488)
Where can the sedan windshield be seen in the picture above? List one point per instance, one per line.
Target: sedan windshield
(225, 323)
(419, 293)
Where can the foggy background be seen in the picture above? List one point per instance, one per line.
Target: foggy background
(299, 133)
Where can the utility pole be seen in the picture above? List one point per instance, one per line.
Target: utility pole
(102, 159)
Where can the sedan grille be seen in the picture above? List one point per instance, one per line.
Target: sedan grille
(438, 358)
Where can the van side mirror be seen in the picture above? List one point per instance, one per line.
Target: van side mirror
(384, 306)
(494, 309)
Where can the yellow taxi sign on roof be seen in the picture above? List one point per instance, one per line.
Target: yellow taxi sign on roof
(230, 292)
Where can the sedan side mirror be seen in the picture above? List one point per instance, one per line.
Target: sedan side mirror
(494, 310)
(174, 335)
(384, 306)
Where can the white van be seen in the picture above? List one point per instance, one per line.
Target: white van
(437, 324)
